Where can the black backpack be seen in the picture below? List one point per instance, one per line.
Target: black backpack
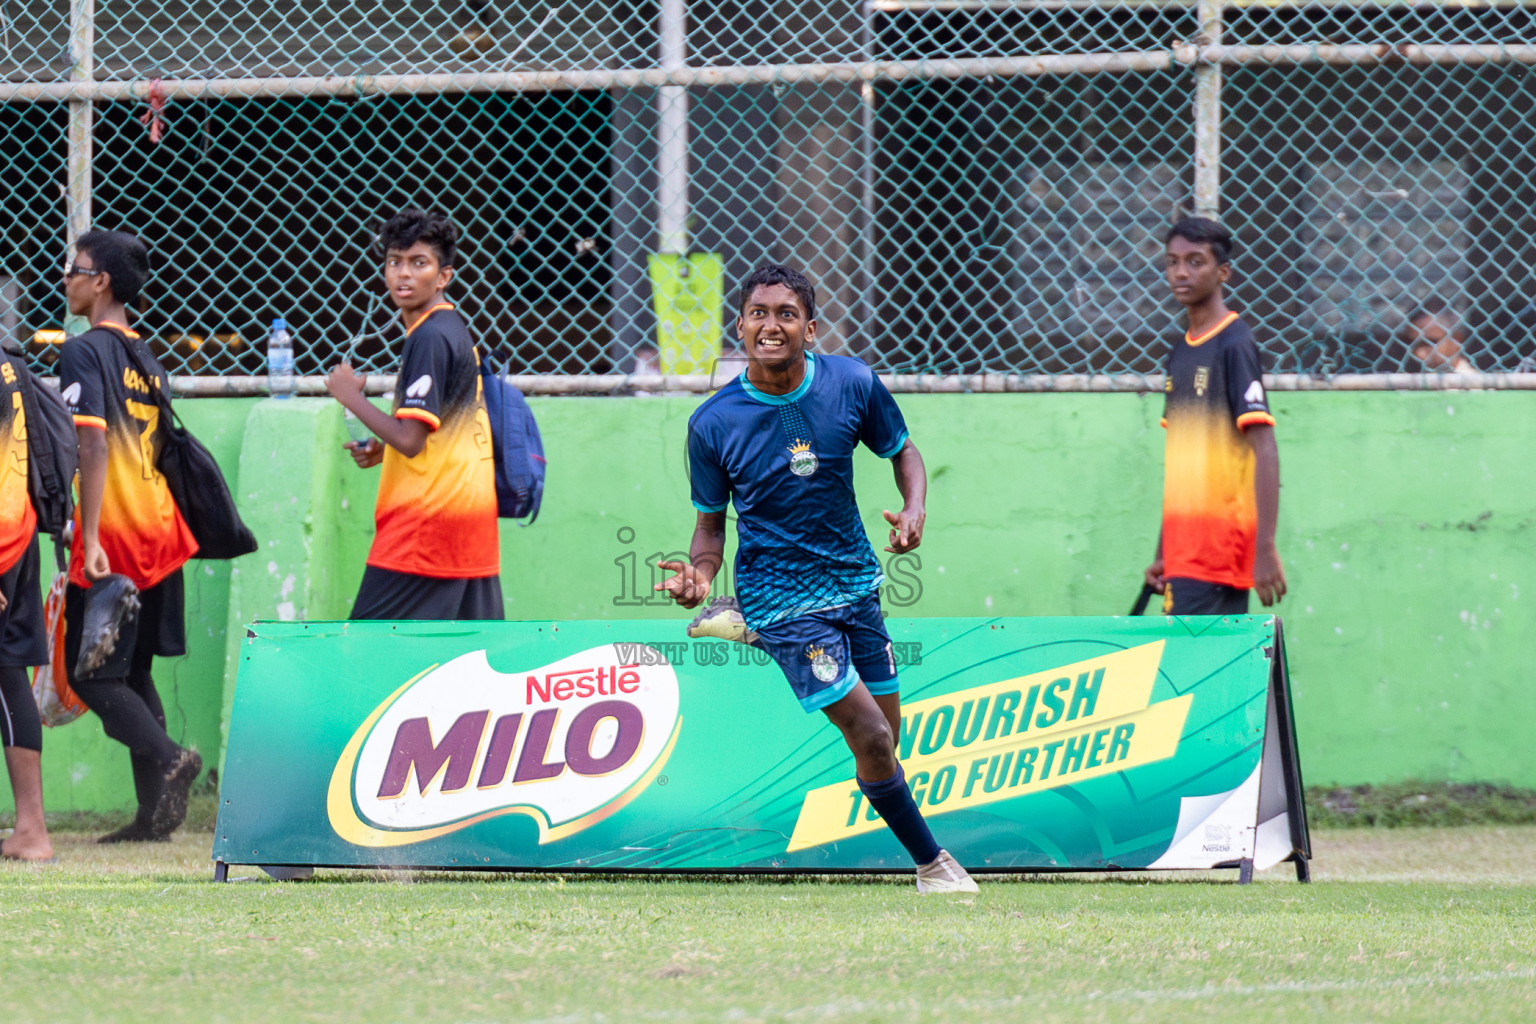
(53, 453)
(191, 474)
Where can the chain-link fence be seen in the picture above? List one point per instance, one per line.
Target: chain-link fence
(976, 186)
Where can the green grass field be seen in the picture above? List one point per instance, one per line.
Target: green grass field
(1403, 924)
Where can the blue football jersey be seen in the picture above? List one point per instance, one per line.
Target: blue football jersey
(786, 462)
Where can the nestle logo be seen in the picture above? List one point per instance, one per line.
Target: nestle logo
(584, 682)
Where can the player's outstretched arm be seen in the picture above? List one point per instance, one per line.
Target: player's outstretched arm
(912, 482)
(1268, 576)
(408, 437)
(689, 584)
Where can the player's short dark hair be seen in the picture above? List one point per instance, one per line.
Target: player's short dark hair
(123, 257)
(1204, 230)
(773, 273)
(408, 227)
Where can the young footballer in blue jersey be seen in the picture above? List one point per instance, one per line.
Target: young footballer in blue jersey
(778, 441)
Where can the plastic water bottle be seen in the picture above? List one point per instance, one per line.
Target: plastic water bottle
(280, 360)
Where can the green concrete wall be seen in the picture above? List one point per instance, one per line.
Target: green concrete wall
(1406, 526)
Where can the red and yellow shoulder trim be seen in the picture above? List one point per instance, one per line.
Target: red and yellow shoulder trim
(1226, 322)
(1163, 422)
(419, 414)
(91, 421)
(122, 329)
(1249, 419)
(422, 319)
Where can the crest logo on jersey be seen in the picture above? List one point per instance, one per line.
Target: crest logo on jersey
(71, 395)
(802, 461)
(1202, 380)
(1255, 394)
(823, 665)
(419, 388)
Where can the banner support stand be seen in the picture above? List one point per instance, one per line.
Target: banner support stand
(1290, 759)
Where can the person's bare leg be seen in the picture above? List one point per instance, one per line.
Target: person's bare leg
(866, 729)
(30, 840)
(890, 706)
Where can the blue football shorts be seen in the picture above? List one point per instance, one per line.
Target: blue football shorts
(826, 652)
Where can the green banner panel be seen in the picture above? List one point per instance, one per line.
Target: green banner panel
(1055, 744)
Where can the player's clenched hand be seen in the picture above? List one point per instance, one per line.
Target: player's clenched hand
(906, 529)
(94, 562)
(1268, 577)
(366, 453)
(688, 585)
(344, 382)
(1155, 578)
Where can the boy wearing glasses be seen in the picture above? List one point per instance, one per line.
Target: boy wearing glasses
(126, 525)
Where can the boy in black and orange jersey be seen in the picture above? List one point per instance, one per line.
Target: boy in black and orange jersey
(126, 524)
(23, 640)
(436, 550)
(1221, 476)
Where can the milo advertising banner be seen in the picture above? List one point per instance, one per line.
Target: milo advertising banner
(1030, 744)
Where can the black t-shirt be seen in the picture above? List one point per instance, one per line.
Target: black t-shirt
(1214, 391)
(141, 530)
(436, 512)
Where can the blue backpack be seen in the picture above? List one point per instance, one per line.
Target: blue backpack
(518, 447)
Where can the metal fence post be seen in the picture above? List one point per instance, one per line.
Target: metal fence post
(672, 133)
(82, 68)
(1208, 114)
(868, 303)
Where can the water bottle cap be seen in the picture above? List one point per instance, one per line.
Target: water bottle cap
(279, 324)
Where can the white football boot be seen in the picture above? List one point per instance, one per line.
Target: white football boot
(943, 875)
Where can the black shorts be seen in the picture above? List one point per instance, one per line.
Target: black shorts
(1197, 597)
(23, 634)
(386, 594)
(159, 629)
